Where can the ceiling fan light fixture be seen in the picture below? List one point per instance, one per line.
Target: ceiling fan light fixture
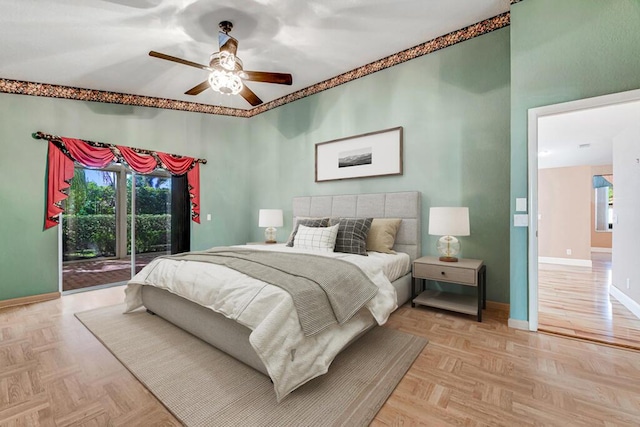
(225, 82)
(226, 72)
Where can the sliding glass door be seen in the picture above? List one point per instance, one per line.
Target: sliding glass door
(149, 217)
(89, 231)
(114, 223)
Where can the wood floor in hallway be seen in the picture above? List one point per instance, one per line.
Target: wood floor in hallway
(575, 301)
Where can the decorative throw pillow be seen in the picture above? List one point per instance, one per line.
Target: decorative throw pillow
(382, 235)
(352, 235)
(316, 238)
(308, 222)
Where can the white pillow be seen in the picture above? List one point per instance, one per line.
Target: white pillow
(321, 239)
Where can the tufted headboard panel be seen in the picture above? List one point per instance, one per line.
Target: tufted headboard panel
(406, 205)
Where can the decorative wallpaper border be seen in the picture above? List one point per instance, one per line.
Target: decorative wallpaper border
(431, 46)
(79, 94)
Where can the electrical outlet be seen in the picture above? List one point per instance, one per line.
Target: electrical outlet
(627, 283)
(568, 251)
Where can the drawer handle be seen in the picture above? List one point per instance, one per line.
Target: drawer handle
(442, 272)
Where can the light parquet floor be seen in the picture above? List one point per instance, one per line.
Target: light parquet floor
(575, 301)
(53, 372)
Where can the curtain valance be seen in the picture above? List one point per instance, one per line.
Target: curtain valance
(64, 152)
(600, 181)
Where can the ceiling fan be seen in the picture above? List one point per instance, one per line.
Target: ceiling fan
(226, 72)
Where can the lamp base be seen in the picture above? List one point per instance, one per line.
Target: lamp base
(448, 247)
(270, 235)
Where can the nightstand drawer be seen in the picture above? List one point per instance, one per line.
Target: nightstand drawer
(445, 274)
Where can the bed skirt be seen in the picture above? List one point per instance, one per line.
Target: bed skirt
(219, 331)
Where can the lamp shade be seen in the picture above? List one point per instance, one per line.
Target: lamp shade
(270, 218)
(449, 221)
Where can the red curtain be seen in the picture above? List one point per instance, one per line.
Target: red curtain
(193, 180)
(139, 162)
(87, 155)
(60, 170)
(175, 165)
(59, 175)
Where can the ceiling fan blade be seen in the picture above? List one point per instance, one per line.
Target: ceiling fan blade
(266, 77)
(178, 60)
(251, 97)
(227, 43)
(196, 90)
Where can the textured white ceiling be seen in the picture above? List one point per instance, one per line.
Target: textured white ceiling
(104, 44)
(560, 136)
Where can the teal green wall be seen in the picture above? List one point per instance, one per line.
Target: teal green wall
(453, 104)
(454, 107)
(562, 51)
(29, 255)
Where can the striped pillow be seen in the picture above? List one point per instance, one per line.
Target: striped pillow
(316, 238)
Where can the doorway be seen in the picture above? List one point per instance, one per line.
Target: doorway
(558, 287)
(115, 222)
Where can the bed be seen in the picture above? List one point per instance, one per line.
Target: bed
(244, 339)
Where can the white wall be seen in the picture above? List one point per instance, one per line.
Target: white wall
(600, 239)
(626, 202)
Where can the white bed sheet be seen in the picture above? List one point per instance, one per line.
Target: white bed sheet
(291, 358)
(394, 266)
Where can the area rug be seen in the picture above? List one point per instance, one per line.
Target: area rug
(203, 386)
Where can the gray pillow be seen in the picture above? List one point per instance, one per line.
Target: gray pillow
(307, 222)
(352, 235)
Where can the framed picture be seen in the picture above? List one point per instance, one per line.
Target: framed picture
(367, 155)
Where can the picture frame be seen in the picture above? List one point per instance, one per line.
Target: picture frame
(367, 155)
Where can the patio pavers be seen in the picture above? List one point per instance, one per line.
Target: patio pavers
(101, 271)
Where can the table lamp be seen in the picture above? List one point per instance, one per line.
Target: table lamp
(449, 222)
(270, 218)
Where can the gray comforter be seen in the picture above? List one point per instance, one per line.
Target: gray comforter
(325, 291)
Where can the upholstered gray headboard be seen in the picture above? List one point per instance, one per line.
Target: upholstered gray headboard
(405, 205)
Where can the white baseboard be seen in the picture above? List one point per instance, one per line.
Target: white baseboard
(565, 261)
(604, 250)
(624, 299)
(518, 324)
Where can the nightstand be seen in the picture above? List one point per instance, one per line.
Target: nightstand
(465, 272)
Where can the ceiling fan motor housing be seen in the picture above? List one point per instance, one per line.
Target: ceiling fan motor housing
(225, 61)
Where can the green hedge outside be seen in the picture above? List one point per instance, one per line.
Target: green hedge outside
(90, 236)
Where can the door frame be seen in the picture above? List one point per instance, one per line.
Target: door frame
(533, 115)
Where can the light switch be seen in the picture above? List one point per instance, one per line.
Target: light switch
(521, 220)
(208, 217)
(521, 204)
